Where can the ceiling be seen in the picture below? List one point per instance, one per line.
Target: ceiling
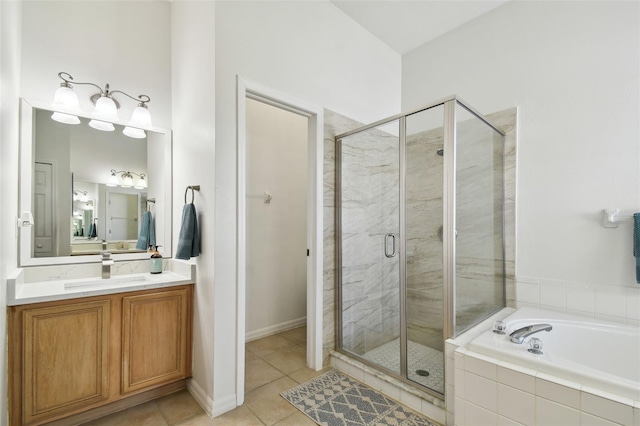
(407, 24)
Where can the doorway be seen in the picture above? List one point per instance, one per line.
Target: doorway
(44, 233)
(276, 220)
(247, 90)
(123, 210)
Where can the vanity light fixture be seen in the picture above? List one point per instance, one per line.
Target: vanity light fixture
(80, 196)
(127, 179)
(106, 109)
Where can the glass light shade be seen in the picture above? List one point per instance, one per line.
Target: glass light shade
(84, 198)
(65, 118)
(102, 125)
(132, 132)
(113, 180)
(141, 117)
(141, 184)
(105, 109)
(66, 97)
(127, 181)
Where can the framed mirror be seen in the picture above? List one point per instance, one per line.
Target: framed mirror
(89, 189)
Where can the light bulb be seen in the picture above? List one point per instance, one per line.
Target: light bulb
(142, 183)
(105, 109)
(127, 181)
(132, 132)
(65, 118)
(141, 117)
(102, 125)
(113, 179)
(65, 97)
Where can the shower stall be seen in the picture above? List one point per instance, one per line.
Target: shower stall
(420, 247)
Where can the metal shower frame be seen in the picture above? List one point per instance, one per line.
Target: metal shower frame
(449, 216)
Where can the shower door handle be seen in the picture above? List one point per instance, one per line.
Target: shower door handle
(393, 252)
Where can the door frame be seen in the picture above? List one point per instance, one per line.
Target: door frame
(55, 229)
(315, 159)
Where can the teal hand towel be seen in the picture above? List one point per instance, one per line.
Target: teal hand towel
(147, 236)
(636, 244)
(188, 239)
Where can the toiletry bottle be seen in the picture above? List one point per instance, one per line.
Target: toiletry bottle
(156, 262)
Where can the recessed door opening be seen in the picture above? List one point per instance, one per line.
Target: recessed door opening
(279, 234)
(276, 241)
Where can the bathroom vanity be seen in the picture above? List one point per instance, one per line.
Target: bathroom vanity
(99, 354)
(84, 343)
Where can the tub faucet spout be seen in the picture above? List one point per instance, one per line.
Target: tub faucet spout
(520, 334)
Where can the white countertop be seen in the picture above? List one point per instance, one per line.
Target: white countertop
(21, 293)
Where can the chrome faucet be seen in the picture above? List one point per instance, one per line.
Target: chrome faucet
(106, 265)
(520, 334)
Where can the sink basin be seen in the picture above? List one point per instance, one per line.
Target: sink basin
(104, 282)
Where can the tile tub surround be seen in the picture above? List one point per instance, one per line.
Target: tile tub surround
(46, 283)
(489, 391)
(611, 303)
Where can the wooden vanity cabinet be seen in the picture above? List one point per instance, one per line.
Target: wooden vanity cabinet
(72, 356)
(156, 334)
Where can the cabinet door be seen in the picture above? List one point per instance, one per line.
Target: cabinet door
(66, 358)
(156, 337)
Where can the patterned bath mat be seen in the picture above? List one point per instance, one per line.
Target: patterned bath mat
(335, 399)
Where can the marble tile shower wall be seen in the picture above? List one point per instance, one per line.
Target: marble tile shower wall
(334, 124)
(370, 209)
(424, 248)
(479, 248)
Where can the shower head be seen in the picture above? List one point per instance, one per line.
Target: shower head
(440, 152)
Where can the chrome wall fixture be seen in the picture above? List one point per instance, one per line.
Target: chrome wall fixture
(106, 108)
(126, 179)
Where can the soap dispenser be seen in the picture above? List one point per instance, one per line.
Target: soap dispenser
(155, 267)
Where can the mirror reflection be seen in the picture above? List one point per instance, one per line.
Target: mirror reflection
(90, 187)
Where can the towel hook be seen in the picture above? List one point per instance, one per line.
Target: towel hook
(150, 201)
(193, 188)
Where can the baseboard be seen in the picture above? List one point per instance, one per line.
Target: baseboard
(119, 405)
(200, 396)
(274, 329)
(223, 405)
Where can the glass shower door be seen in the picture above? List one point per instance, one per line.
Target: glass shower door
(424, 235)
(369, 255)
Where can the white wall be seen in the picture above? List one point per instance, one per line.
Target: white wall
(310, 50)
(572, 70)
(193, 60)
(10, 24)
(276, 286)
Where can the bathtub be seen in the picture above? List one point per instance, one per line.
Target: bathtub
(599, 354)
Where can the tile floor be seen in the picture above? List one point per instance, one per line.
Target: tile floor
(273, 364)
